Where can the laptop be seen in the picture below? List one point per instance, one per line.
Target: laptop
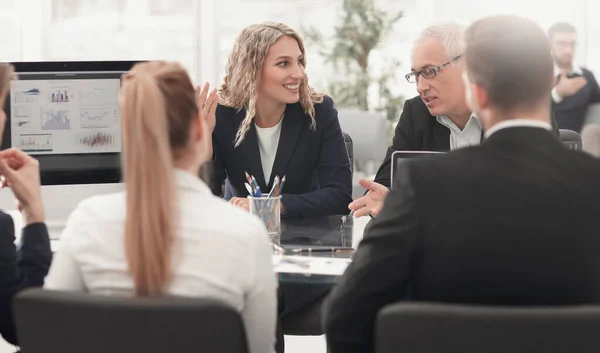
(400, 157)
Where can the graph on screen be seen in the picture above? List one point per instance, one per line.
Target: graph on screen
(35, 142)
(60, 96)
(66, 116)
(22, 112)
(97, 140)
(55, 120)
(27, 96)
(98, 96)
(96, 116)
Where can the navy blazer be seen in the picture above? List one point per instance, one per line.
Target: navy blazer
(22, 268)
(314, 162)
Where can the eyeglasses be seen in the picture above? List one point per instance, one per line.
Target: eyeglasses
(428, 72)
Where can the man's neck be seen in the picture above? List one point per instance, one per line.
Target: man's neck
(460, 120)
(540, 115)
(568, 67)
(268, 114)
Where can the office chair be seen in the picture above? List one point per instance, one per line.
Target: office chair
(369, 133)
(453, 328)
(52, 321)
(571, 139)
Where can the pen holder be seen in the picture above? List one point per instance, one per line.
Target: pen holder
(268, 209)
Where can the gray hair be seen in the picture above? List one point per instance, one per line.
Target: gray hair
(450, 34)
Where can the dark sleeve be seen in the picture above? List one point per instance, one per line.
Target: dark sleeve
(404, 140)
(216, 168)
(21, 268)
(377, 276)
(333, 169)
(595, 97)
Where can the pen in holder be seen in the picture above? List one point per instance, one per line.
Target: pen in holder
(268, 209)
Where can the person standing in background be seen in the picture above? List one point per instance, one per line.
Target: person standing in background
(576, 87)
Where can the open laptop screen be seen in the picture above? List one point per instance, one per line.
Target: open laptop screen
(400, 157)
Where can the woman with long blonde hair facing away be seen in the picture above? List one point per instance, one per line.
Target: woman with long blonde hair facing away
(270, 122)
(167, 234)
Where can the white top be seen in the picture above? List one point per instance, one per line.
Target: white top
(575, 70)
(268, 140)
(517, 123)
(469, 136)
(213, 256)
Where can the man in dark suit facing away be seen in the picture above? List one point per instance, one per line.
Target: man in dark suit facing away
(26, 264)
(438, 119)
(513, 221)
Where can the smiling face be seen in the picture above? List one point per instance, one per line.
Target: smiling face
(443, 94)
(282, 72)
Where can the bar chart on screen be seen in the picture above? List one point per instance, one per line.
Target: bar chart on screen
(97, 140)
(55, 120)
(35, 142)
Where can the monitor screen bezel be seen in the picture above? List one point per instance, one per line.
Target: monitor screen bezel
(91, 174)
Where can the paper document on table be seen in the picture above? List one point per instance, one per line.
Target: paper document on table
(310, 265)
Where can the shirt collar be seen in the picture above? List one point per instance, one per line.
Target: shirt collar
(517, 123)
(187, 180)
(447, 122)
(576, 70)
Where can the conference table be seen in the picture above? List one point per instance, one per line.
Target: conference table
(316, 249)
(311, 248)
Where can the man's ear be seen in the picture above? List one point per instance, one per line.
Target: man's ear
(480, 96)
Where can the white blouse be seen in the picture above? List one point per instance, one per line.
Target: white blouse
(268, 141)
(214, 257)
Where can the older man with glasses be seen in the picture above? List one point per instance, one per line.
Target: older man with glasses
(438, 119)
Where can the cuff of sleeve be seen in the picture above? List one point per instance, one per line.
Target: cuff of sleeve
(35, 230)
(555, 96)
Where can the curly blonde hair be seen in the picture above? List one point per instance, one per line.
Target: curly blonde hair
(244, 67)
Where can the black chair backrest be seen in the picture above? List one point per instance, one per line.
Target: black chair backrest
(350, 148)
(571, 139)
(50, 321)
(447, 328)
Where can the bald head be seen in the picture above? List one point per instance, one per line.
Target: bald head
(509, 58)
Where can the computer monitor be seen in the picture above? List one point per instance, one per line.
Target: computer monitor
(66, 115)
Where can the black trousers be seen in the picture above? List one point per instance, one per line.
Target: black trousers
(292, 298)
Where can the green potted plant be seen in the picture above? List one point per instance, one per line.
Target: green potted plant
(363, 28)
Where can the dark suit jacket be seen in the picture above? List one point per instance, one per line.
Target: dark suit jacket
(571, 111)
(314, 162)
(511, 222)
(22, 268)
(418, 130)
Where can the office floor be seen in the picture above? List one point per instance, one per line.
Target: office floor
(304, 344)
(293, 344)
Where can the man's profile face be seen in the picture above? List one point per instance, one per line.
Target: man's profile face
(563, 48)
(443, 94)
